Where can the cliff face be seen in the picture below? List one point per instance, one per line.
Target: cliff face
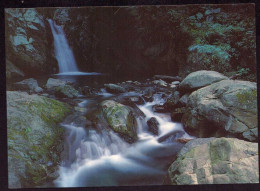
(131, 41)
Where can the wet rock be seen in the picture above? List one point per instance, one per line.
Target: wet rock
(29, 85)
(229, 106)
(167, 78)
(160, 83)
(121, 119)
(33, 133)
(177, 114)
(159, 108)
(199, 79)
(153, 125)
(171, 137)
(175, 83)
(113, 88)
(224, 161)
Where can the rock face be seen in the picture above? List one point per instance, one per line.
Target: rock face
(224, 161)
(61, 88)
(29, 84)
(228, 105)
(12, 71)
(199, 79)
(34, 138)
(121, 119)
(27, 41)
(168, 79)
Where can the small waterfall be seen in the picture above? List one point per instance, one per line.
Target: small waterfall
(63, 52)
(98, 157)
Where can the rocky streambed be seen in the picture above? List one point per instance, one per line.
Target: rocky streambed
(164, 130)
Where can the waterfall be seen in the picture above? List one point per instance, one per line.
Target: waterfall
(63, 52)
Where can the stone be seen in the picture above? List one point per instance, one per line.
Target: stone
(29, 85)
(228, 107)
(121, 119)
(199, 79)
(61, 88)
(177, 114)
(224, 161)
(160, 83)
(113, 88)
(153, 125)
(34, 138)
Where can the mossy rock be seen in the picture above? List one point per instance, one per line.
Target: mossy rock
(34, 137)
(121, 119)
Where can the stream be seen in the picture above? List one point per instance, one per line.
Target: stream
(96, 156)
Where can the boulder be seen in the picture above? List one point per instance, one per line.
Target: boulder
(153, 125)
(224, 161)
(199, 79)
(29, 85)
(35, 140)
(61, 88)
(113, 88)
(160, 83)
(168, 79)
(121, 119)
(228, 107)
(177, 114)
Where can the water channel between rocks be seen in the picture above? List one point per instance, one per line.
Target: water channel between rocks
(97, 156)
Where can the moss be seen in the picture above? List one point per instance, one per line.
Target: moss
(247, 96)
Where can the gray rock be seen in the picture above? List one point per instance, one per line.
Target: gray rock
(227, 106)
(53, 83)
(153, 125)
(29, 85)
(34, 137)
(160, 83)
(199, 79)
(61, 88)
(121, 119)
(224, 161)
(113, 88)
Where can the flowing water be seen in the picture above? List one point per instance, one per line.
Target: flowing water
(96, 156)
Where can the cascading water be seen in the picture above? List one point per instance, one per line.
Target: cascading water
(98, 157)
(63, 52)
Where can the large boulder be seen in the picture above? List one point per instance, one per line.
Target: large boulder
(224, 161)
(199, 79)
(121, 119)
(61, 88)
(34, 138)
(226, 107)
(29, 85)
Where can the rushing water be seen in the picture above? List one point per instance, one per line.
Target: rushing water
(96, 156)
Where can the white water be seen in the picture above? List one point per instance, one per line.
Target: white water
(63, 52)
(102, 158)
